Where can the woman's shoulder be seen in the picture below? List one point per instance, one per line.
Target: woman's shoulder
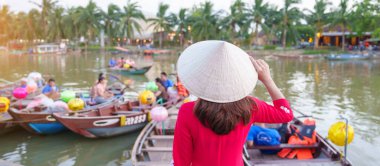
(186, 109)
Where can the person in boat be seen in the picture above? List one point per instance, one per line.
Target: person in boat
(112, 62)
(213, 129)
(101, 95)
(23, 82)
(161, 93)
(165, 81)
(260, 135)
(182, 91)
(51, 90)
(121, 62)
(131, 63)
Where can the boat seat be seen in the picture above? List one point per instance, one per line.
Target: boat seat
(289, 146)
(157, 149)
(153, 163)
(160, 137)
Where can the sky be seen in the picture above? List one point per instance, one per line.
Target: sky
(149, 7)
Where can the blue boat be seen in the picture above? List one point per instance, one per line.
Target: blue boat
(348, 57)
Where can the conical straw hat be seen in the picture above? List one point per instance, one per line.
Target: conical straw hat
(217, 71)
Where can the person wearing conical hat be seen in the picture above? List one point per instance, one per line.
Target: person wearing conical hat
(212, 130)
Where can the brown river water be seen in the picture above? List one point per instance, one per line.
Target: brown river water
(318, 87)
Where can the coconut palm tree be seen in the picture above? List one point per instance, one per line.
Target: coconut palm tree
(342, 18)
(88, 18)
(111, 20)
(318, 17)
(205, 22)
(181, 21)
(290, 13)
(161, 23)
(46, 7)
(34, 30)
(131, 18)
(56, 25)
(233, 24)
(71, 28)
(5, 17)
(259, 8)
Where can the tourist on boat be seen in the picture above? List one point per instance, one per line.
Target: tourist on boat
(112, 62)
(161, 93)
(121, 62)
(51, 90)
(101, 95)
(260, 135)
(182, 91)
(130, 62)
(165, 81)
(213, 129)
(23, 82)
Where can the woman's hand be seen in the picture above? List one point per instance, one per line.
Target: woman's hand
(263, 72)
(262, 69)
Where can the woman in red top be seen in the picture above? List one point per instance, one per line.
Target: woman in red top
(212, 130)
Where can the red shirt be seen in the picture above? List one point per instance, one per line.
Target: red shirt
(197, 145)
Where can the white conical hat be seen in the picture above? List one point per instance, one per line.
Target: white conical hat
(217, 71)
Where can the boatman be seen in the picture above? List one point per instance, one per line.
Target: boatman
(165, 81)
(51, 90)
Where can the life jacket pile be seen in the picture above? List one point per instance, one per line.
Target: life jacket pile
(305, 135)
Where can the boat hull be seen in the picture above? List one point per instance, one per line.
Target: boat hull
(348, 57)
(103, 126)
(132, 72)
(37, 123)
(6, 124)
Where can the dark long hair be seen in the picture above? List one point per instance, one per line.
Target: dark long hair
(223, 117)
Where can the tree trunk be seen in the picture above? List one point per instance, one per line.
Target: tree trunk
(284, 38)
(316, 40)
(160, 39)
(343, 37)
(181, 38)
(257, 34)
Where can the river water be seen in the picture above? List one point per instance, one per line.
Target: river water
(320, 88)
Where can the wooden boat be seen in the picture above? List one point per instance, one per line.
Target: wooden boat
(154, 147)
(111, 120)
(38, 121)
(138, 71)
(348, 57)
(6, 123)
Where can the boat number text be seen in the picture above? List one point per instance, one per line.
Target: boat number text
(136, 119)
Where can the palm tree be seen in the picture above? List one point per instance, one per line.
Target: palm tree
(34, 30)
(273, 19)
(71, 28)
(289, 12)
(342, 18)
(257, 12)
(181, 21)
(236, 20)
(205, 22)
(56, 25)
(161, 23)
(130, 19)
(5, 17)
(46, 7)
(318, 17)
(88, 18)
(111, 20)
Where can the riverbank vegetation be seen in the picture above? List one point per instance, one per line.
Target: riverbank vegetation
(243, 24)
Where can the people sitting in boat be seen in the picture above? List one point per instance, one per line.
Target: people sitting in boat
(161, 93)
(130, 62)
(112, 62)
(261, 136)
(121, 62)
(213, 129)
(101, 95)
(23, 82)
(51, 90)
(165, 81)
(182, 91)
